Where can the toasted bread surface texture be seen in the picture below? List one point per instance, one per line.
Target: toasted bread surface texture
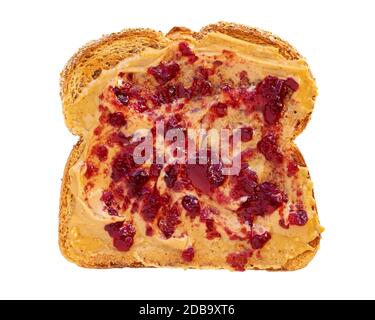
(115, 213)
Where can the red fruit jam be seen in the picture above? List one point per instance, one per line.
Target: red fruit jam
(244, 184)
(151, 206)
(91, 170)
(188, 254)
(191, 205)
(220, 109)
(299, 218)
(211, 231)
(101, 152)
(215, 175)
(170, 177)
(264, 199)
(122, 234)
(205, 177)
(292, 168)
(269, 148)
(238, 261)
(246, 134)
(117, 119)
(169, 222)
(121, 96)
(122, 165)
(187, 52)
(271, 94)
(164, 73)
(258, 241)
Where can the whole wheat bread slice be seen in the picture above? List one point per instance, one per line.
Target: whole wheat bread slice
(92, 60)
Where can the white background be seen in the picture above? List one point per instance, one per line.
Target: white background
(38, 37)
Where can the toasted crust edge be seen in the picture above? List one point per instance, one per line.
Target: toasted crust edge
(83, 67)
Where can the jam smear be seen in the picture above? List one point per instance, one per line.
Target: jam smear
(108, 198)
(197, 173)
(238, 261)
(263, 199)
(118, 138)
(149, 231)
(121, 95)
(188, 254)
(200, 88)
(247, 134)
(169, 222)
(244, 184)
(151, 206)
(187, 52)
(171, 173)
(137, 179)
(215, 175)
(191, 205)
(101, 152)
(271, 94)
(91, 170)
(211, 232)
(258, 241)
(299, 218)
(292, 168)
(155, 170)
(117, 119)
(164, 72)
(122, 165)
(220, 109)
(269, 148)
(122, 234)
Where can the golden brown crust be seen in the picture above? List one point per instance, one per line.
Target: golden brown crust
(104, 54)
(253, 35)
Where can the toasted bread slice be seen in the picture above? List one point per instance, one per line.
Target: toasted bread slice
(115, 213)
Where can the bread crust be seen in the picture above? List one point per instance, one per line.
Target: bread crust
(88, 63)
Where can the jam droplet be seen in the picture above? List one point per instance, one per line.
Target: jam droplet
(244, 184)
(117, 119)
(155, 170)
(246, 134)
(121, 96)
(187, 52)
(151, 206)
(122, 234)
(220, 109)
(164, 72)
(191, 205)
(271, 94)
(299, 218)
(137, 180)
(292, 168)
(169, 222)
(215, 175)
(101, 152)
(107, 198)
(170, 177)
(269, 148)
(211, 232)
(238, 261)
(122, 165)
(91, 170)
(188, 254)
(265, 199)
(258, 241)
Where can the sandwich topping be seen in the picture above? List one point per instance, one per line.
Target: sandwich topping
(192, 208)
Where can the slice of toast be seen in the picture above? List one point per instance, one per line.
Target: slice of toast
(115, 212)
